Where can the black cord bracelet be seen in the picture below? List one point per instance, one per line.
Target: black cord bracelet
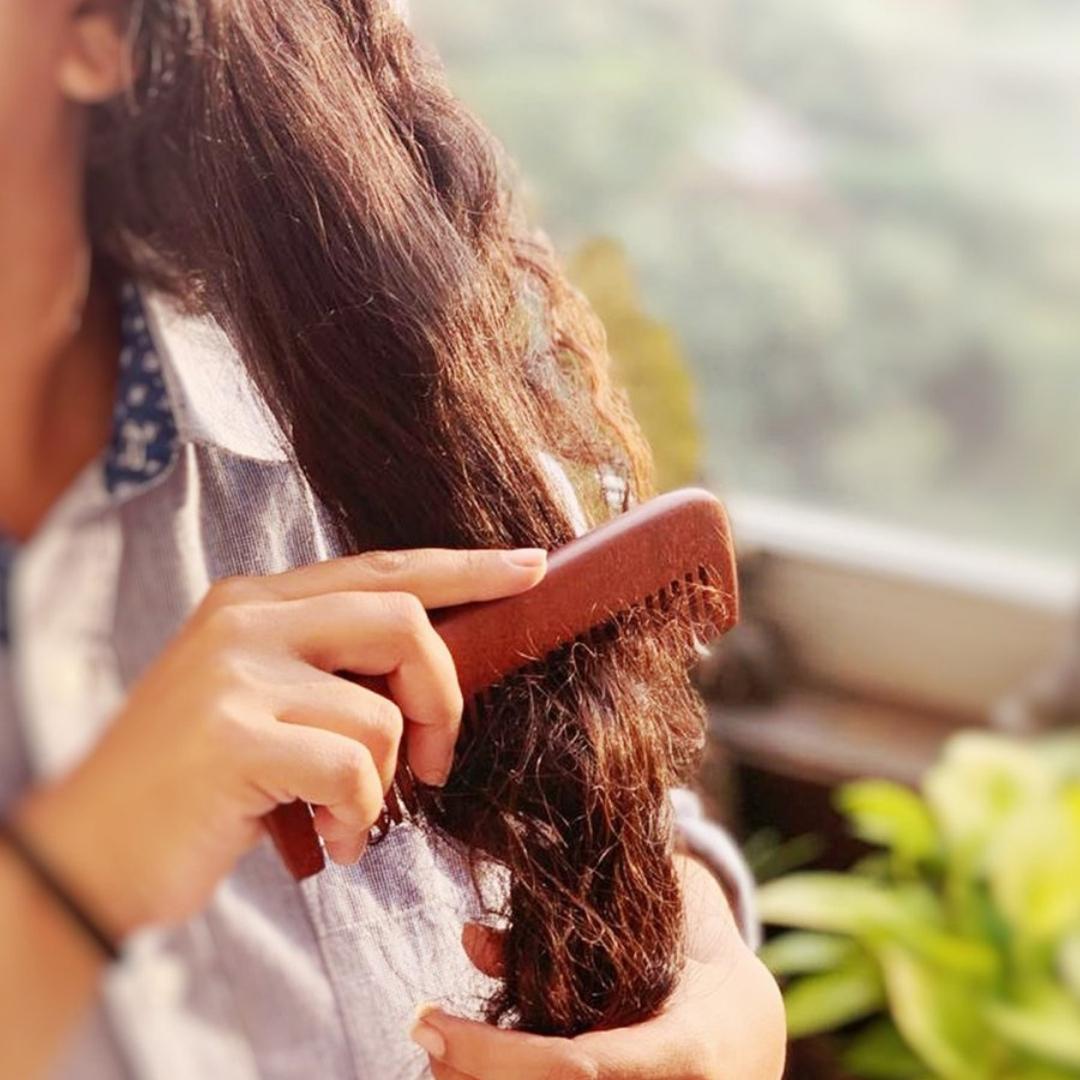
(57, 890)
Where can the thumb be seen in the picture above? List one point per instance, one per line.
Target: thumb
(486, 1052)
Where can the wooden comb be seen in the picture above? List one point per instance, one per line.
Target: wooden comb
(674, 545)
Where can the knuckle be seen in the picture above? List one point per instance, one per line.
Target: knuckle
(235, 590)
(345, 606)
(226, 624)
(386, 563)
(233, 725)
(406, 614)
(355, 783)
(573, 1064)
(478, 563)
(455, 706)
(229, 671)
(350, 768)
(388, 721)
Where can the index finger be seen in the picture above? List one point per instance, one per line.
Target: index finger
(438, 577)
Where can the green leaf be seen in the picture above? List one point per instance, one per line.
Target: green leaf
(1036, 1070)
(940, 1017)
(833, 903)
(879, 1052)
(893, 816)
(980, 781)
(874, 912)
(878, 866)
(802, 952)
(1069, 963)
(1034, 868)
(955, 955)
(826, 1001)
(1047, 1026)
(770, 856)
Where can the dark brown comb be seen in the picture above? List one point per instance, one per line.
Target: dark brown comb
(673, 547)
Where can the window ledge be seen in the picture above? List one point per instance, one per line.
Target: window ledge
(827, 739)
(888, 615)
(922, 559)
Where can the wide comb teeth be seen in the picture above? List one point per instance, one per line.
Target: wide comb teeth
(695, 595)
(671, 558)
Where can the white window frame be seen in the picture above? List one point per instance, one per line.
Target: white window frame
(896, 615)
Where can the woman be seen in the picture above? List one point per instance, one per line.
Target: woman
(263, 302)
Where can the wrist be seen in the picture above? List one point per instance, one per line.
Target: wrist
(56, 825)
(49, 970)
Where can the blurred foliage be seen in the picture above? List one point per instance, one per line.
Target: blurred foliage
(647, 361)
(770, 854)
(862, 219)
(960, 940)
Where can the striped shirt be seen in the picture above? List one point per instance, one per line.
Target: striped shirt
(274, 979)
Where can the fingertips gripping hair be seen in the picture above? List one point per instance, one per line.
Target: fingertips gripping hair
(298, 170)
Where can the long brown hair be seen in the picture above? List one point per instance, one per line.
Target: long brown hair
(297, 169)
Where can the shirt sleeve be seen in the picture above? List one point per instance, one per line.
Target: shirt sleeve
(712, 844)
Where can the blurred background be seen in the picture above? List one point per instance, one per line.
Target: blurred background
(837, 249)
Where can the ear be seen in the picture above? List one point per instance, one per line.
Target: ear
(94, 62)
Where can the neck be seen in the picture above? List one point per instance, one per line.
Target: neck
(58, 337)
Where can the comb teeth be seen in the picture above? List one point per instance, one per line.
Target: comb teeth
(675, 591)
(479, 705)
(588, 642)
(694, 596)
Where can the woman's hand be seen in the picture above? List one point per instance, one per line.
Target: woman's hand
(725, 1022)
(243, 711)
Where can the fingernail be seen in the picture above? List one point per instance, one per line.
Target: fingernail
(526, 558)
(426, 1009)
(426, 1037)
(423, 1035)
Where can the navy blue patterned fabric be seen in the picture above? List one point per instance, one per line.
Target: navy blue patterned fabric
(144, 436)
(144, 429)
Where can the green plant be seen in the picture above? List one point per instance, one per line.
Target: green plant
(952, 951)
(647, 360)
